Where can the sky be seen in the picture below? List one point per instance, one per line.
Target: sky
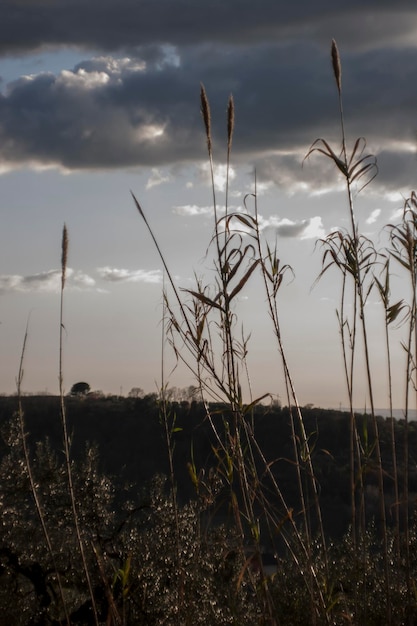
(99, 99)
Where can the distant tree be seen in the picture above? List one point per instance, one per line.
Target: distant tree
(136, 392)
(80, 389)
(276, 402)
(171, 394)
(192, 393)
(97, 394)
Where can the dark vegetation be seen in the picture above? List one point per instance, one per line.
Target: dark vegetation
(120, 461)
(130, 448)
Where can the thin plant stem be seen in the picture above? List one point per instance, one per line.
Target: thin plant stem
(361, 304)
(391, 314)
(64, 258)
(168, 434)
(32, 481)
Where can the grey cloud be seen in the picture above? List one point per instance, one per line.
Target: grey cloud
(144, 111)
(114, 25)
(44, 282)
(100, 117)
(192, 210)
(291, 229)
(397, 170)
(311, 228)
(157, 178)
(124, 275)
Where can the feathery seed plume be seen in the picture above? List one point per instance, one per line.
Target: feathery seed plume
(205, 110)
(337, 68)
(230, 121)
(64, 254)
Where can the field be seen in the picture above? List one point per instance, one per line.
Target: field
(251, 512)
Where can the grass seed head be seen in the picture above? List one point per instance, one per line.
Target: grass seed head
(337, 67)
(64, 254)
(205, 111)
(230, 121)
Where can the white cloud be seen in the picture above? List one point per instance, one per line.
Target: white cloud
(111, 65)
(219, 175)
(311, 228)
(263, 187)
(305, 229)
(79, 279)
(374, 216)
(395, 196)
(132, 276)
(81, 79)
(314, 229)
(149, 132)
(191, 210)
(396, 215)
(45, 282)
(157, 178)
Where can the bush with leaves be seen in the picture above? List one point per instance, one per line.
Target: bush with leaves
(147, 566)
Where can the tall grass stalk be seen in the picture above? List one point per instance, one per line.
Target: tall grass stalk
(392, 313)
(229, 263)
(403, 238)
(357, 255)
(66, 438)
(217, 359)
(273, 274)
(28, 465)
(169, 429)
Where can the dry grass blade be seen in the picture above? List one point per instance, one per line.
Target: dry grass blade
(235, 259)
(168, 273)
(359, 163)
(66, 438)
(244, 279)
(32, 481)
(328, 152)
(352, 169)
(246, 220)
(202, 298)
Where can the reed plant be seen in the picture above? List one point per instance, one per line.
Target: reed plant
(403, 240)
(33, 486)
(65, 433)
(355, 256)
(202, 331)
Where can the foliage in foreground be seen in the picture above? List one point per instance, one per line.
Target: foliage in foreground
(150, 566)
(139, 575)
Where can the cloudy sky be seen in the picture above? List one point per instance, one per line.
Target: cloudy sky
(100, 98)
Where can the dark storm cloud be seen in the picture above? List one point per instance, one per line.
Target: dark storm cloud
(111, 114)
(116, 111)
(114, 25)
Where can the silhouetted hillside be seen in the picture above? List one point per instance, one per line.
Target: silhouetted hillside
(132, 445)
